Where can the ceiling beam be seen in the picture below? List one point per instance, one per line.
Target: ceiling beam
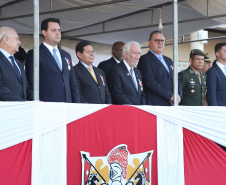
(144, 27)
(64, 10)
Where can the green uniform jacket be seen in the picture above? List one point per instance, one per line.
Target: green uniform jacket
(193, 91)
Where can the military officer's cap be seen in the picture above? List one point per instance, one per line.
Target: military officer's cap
(197, 52)
(207, 59)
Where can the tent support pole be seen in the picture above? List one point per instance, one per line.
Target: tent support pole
(175, 52)
(36, 50)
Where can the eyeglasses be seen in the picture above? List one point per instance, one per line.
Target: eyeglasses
(197, 59)
(158, 41)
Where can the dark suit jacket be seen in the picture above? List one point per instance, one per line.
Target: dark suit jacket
(107, 67)
(158, 82)
(90, 91)
(216, 86)
(123, 88)
(54, 85)
(193, 91)
(12, 87)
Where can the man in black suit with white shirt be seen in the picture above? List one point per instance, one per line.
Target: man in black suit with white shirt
(13, 82)
(126, 79)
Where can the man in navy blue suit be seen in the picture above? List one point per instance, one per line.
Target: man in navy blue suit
(157, 73)
(91, 80)
(126, 79)
(13, 82)
(57, 82)
(216, 78)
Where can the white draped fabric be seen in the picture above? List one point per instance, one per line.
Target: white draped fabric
(45, 123)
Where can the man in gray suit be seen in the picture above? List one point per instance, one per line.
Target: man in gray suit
(13, 82)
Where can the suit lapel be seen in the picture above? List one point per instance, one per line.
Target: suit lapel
(49, 55)
(127, 74)
(159, 62)
(10, 66)
(87, 73)
(138, 81)
(220, 71)
(97, 76)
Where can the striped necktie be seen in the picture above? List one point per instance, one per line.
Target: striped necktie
(14, 65)
(133, 78)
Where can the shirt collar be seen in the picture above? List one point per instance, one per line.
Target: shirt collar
(50, 48)
(85, 65)
(116, 60)
(127, 65)
(155, 54)
(7, 55)
(220, 64)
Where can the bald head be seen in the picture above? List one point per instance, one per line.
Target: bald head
(9, 40)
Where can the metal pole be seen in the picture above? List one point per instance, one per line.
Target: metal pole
(36, 50)
(175, 51)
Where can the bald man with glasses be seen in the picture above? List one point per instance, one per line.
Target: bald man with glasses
(157, 72)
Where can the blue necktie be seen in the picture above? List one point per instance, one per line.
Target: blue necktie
(163, 62)
(225, 70)
(14, 65)
(56, 58)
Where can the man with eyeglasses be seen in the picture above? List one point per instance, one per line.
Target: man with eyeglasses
(157, 72)
(193, 80)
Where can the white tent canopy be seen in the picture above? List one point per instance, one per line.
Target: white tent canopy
(106, 21)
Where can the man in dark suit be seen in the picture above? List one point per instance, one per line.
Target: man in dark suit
(157, 73)
(57, 82)
(216, 78)
(193, 80)
(126, 79)
(13, 82)
(117, 56)
(91, 80)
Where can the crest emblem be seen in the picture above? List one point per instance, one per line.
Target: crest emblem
(119, 167)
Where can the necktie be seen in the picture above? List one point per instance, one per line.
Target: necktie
(56, 58)
(199, 76)
(163, 62)
(14, 65)
(92, 73)
(133, 78)
(225, 70)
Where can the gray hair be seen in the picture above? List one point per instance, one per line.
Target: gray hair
(126, 47)
(4, 31)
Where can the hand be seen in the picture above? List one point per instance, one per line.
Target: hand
(172, 100)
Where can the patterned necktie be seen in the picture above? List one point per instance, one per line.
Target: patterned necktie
(14, 65)
(92, 73)
(132, 76)
(56, 58)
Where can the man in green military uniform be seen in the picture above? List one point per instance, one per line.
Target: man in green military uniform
(193, 80)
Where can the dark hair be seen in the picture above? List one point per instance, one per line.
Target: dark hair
(45, 23)
(80, 46)
(219, 46)
(115, 45)
(20, 55)
(155, 32)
